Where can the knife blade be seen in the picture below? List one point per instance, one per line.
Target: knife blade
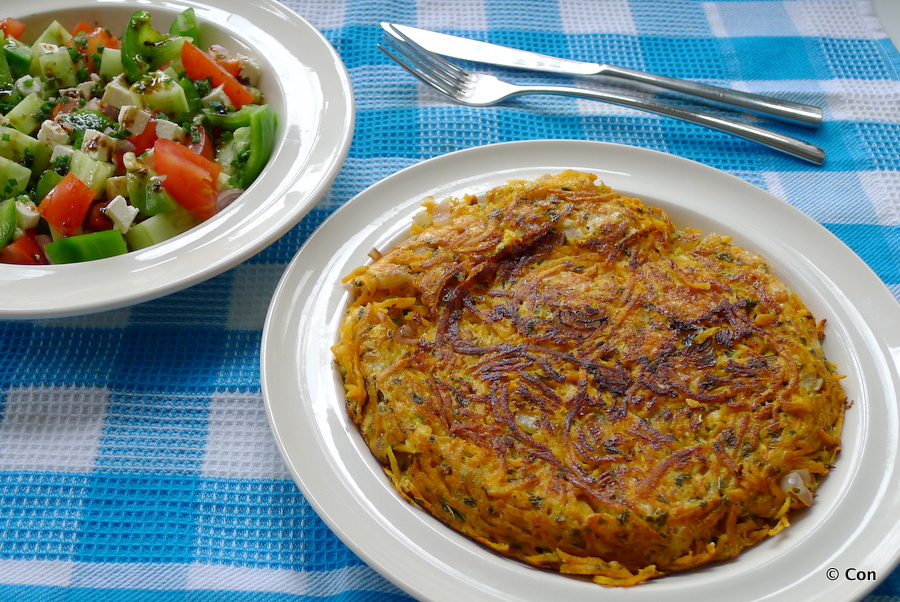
(494, 54)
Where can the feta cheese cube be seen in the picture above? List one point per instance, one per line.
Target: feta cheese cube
(27, 215)
(133, 118)
(119, 94)
(120, 213)
(167, 129)
(116, 186)
(28, 84)
(250, 71)
(53, 133)
(83, 90)
(98, 145)
(217, 95)
(86, 89)
(61, 150)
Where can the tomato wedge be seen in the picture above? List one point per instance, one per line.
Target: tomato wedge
(12, 27)
(67, 204)
(228, 61)
(96, 219)
(199, 65)
(90, 45)
(24, 251)
(183, 153)
(145, 139)
(82, 25)
(189, 177)
(67, 104)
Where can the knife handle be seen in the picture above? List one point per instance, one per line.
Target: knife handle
(748, 131)
(761, 104)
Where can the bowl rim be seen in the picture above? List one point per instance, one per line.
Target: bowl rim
(310, 149)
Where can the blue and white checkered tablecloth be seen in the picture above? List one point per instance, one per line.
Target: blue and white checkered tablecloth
(135, 457)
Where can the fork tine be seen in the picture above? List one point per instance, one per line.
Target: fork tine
(425, 61)
(456, 80)
(432, 58)
(425, 76)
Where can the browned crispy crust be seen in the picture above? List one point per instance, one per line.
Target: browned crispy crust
(557, 372)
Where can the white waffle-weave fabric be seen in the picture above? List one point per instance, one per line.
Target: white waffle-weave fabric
(135, 457)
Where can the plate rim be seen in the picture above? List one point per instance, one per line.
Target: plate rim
(279, 321)
(314, 149)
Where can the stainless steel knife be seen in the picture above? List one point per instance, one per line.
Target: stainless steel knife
(493, 54)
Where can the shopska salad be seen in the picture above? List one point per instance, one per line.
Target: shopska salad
(111, 144)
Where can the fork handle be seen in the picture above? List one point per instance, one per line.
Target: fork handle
(774, 140)
(776, 107)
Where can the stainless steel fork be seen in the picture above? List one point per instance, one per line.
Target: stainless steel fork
(479, 89)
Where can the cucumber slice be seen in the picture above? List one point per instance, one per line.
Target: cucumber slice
(161, 93)
(229, 153)
(111, 63)
(158, 228)
(13, 178)
(58, 69)
(24, 149)
(147, 194)
(48, 180)
(26, 116)
(54, 36)
(7, 220)
(55, 33)
(90, 171)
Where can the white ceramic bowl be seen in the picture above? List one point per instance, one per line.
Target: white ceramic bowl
(307, 86)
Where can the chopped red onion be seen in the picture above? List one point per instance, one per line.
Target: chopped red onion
(797, 483)
(43, 240)
(227, 196)
(406, 334)
(94, 104)
(440, 213)
(124, 146)
(110, 111)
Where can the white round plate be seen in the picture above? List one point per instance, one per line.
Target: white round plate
(308, 87)
(851, 529)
